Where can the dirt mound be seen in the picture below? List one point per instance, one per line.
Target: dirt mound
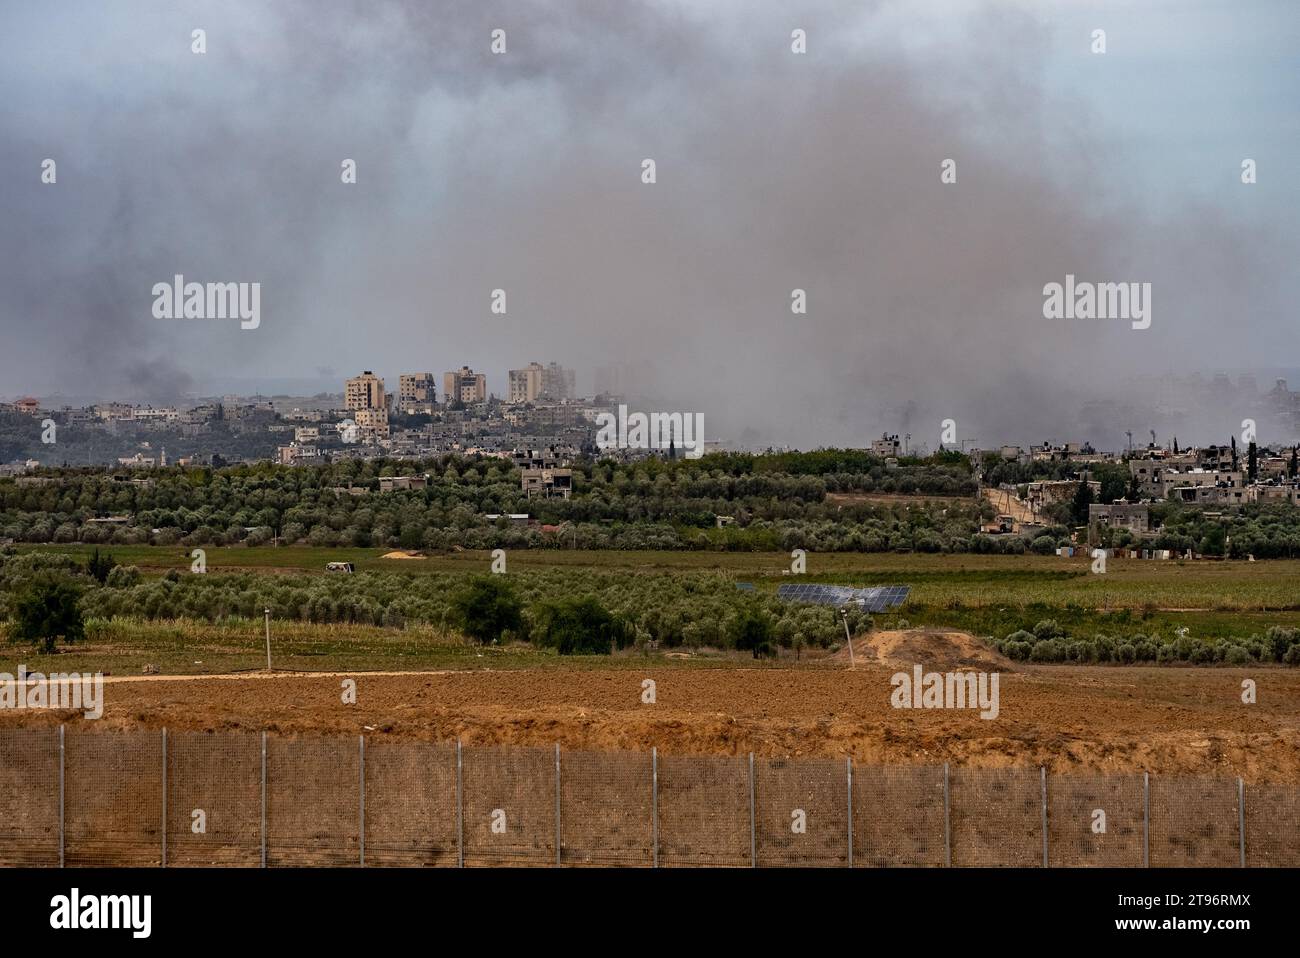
(937, 649)
(399, 554)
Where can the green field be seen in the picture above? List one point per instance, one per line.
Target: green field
(936, 580)
(987, 595)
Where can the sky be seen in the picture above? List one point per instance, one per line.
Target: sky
(775, 171)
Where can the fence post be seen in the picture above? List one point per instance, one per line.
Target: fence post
(263, 798)
(654, 804)
(61, 766)
(1241, 818)
(164, 798)
(1042, 769)
(753, 838)
(460, 810)
(1146, 819)
(848, 764)
(947, 821)
(557, 804)
(361, 788)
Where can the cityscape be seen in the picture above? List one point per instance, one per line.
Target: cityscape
(560, 457)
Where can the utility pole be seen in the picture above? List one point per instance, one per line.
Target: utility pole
(267, 613)
(844, 616)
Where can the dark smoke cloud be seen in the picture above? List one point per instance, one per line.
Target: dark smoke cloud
(522, 172)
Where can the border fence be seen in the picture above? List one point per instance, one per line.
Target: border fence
(80, 798)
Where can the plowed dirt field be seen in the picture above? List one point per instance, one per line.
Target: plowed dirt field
(1069, 718)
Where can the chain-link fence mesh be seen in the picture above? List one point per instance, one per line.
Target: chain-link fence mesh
(1095, 821)
(510, 805)
(307, 804)
(29, 797)
(997, 817)
(411, 804)
(113, 799)
(313, 801)
(606, 813)
(1272, 826)
(214, 799)
(801, 812)
(1194, 823)
(704, 811)
(898, 816)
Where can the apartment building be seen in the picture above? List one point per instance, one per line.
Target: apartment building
(372, 424)
(558, 382)
(416, 392)
(525, 385)
(464, 386)
(364, 392)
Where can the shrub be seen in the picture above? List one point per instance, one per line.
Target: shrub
(123, 577)
(1237, 655)
(1047, 650)
(487, 608)
(1048, 629)
(579, 627)
(1043, 545)
(1279, 640)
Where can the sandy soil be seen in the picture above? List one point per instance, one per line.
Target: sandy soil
(936, 649)
(1008, 505)
(1163, 720)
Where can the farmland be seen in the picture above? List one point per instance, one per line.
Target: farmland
(395, 613)
(392, 626)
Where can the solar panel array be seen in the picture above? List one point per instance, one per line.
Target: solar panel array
(874, 599)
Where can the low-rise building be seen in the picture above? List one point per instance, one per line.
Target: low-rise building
(399, 483)
(547, 483)
(886, 446)
(1133, 516)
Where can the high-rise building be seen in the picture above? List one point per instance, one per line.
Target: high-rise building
(525, 385)
(464, 386)
(364, 392)
(536, 381)
(557, 382)
(416, 389)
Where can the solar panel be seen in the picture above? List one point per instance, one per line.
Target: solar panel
(874, 599)
(745, 586)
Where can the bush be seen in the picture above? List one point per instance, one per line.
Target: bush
(580, 627)
(487, 608)
(47, 610)
(1237, 655)
(1048, 629)
(1279, 640)
(123, 577)
(1047, 650)
(1043, 545)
